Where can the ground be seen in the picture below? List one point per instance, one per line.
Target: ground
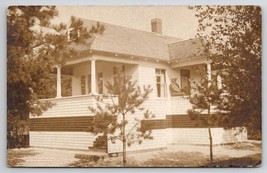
(235, 155)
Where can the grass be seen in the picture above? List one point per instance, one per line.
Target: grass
(184, 159)
(253, 160)
(15, 157)
(162, 158)
(177, 159)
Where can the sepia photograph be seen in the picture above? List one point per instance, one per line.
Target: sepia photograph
(134, 86)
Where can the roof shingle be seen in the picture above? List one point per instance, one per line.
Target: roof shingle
(186, 49)
(129, 41)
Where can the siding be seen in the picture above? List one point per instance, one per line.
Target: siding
(159, 141)
(179, 105)
(174, 121)
(68, 140)
(201, 136)
(68, 107)
(63, 124)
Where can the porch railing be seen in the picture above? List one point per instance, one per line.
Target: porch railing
(79, 106)
(69, 106)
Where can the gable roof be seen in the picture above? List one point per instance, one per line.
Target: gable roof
(122, 40)
(133, 42)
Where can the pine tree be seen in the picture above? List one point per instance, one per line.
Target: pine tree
(34, 45)
(207, 97)
(111, 118)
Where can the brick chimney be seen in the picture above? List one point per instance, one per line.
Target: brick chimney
(156, 25)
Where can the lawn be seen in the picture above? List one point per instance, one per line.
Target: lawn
(235, 155)
(179, 159)
(16, 157)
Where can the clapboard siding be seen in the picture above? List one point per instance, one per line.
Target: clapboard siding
(179, 105)
(201, 135)
(175, 121)
(184, 121)
(71, 106)
(153, 124)
(159, 141)
(69, 140)
(79, 106)
(64, 124)
(68, 106)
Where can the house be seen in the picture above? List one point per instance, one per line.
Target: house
(151, 58)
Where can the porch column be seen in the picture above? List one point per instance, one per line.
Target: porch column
(209, 73)
(58, 81)
(93, 77)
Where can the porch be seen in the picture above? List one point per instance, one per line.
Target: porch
(79, 105)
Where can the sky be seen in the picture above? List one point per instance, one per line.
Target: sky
(177, 21)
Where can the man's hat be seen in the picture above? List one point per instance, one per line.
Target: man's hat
(174, 79)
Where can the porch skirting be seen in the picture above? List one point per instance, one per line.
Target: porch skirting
(72, 133)
(66, 140)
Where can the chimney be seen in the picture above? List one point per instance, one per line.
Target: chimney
(156, 25)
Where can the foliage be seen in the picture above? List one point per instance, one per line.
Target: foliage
(232, 34)
(208, 96)
(34, 45)
(111, 118)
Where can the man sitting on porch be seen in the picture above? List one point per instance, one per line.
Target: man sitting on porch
(175, 88)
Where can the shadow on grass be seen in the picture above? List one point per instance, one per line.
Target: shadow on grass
(176, 159)
(247, 161)
(110, 162)
(245, 146)
(164, 159)
(15, 157)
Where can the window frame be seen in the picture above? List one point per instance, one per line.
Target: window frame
(161, 85)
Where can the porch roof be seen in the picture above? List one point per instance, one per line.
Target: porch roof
(185, 49)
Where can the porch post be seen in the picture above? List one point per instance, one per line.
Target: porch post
(93, 77)
(58, 81)
(209, 73)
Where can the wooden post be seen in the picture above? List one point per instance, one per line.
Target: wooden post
(58, 81)
(209, 73)
(93, 77)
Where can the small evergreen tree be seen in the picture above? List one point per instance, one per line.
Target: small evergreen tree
(207, 96)
(111, 118)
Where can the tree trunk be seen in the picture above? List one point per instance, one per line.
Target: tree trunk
(211, 148)
(210, 136)
(124, 144)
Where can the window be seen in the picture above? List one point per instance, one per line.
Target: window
(118, 69)
(216, 78)
(89, 84)
(185, 81)
(100, 83)
(86, 87)
(83, 85)
(161, 82)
